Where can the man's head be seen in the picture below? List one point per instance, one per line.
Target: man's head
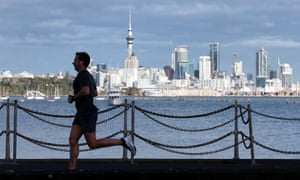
(81, 61)
(85, 57)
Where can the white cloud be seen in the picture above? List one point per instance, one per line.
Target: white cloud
(266, 41)
(54, 23)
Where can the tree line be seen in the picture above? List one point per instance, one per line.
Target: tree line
(16, 86)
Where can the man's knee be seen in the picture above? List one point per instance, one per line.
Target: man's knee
(72, 141)
(92, 145)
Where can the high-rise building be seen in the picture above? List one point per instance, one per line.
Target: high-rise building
(204, 64)
(238, 76)
(214, 53)
(237, 68)
(181, 61)
(169, 72)
(273, 74)
(204, 68)
(262, 67)
(285, 73)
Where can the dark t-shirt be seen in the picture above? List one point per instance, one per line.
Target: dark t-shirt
(84, 104)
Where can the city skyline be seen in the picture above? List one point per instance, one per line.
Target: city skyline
(42, 37)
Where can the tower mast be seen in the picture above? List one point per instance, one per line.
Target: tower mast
(130, 37)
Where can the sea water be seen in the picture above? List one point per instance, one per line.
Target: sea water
(282, 136)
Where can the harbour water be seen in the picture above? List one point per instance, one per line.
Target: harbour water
(280, 134)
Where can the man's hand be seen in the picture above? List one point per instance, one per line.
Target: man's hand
(71, 99)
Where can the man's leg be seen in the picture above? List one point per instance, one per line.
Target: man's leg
(75, 135)
(94, 143)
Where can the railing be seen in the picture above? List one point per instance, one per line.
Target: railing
(128, 113)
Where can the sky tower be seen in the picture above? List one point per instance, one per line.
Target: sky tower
(130, 37)
(131, 62)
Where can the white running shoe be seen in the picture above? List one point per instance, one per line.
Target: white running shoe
(128, 143)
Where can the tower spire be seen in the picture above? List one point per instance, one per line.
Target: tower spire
(130, 37)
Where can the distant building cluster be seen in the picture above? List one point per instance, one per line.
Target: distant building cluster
(203, 78)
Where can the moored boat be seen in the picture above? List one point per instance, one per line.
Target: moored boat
(114, 97)
(35, 95)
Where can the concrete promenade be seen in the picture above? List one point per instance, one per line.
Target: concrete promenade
(151, 169)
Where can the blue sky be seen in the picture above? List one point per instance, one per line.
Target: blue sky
(41, 36)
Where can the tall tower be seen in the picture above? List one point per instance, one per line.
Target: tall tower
(130, 72)
(131, 62)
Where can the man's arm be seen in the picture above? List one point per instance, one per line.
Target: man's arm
(84, 91)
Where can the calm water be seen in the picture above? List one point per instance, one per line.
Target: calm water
(283, 135)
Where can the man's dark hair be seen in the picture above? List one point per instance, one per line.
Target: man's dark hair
(85, 57)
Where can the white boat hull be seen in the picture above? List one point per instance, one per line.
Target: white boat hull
(114, 97)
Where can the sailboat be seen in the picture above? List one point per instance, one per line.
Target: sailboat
(4, 95)
(55, 95)
(35, 95)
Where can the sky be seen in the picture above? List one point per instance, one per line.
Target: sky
(42, 36)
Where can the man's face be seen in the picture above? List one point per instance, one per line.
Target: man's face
(76, 63)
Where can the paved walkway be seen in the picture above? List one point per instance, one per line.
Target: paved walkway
(151, 168)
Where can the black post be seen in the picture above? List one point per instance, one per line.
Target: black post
(7, 144)
(125, 127)
(132, 124)
(251, 134)
(15, 131)
(236, 138)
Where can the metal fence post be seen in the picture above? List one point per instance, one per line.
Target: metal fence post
(132, 124)
(15, 131)
(251, 134)
(7, 144)
(236, 138)
(125, 127)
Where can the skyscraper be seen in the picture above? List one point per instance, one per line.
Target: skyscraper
(262, 67)
(204, 68)
(204, 64)
(214, 53)
(285, 73)
(181, 61)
